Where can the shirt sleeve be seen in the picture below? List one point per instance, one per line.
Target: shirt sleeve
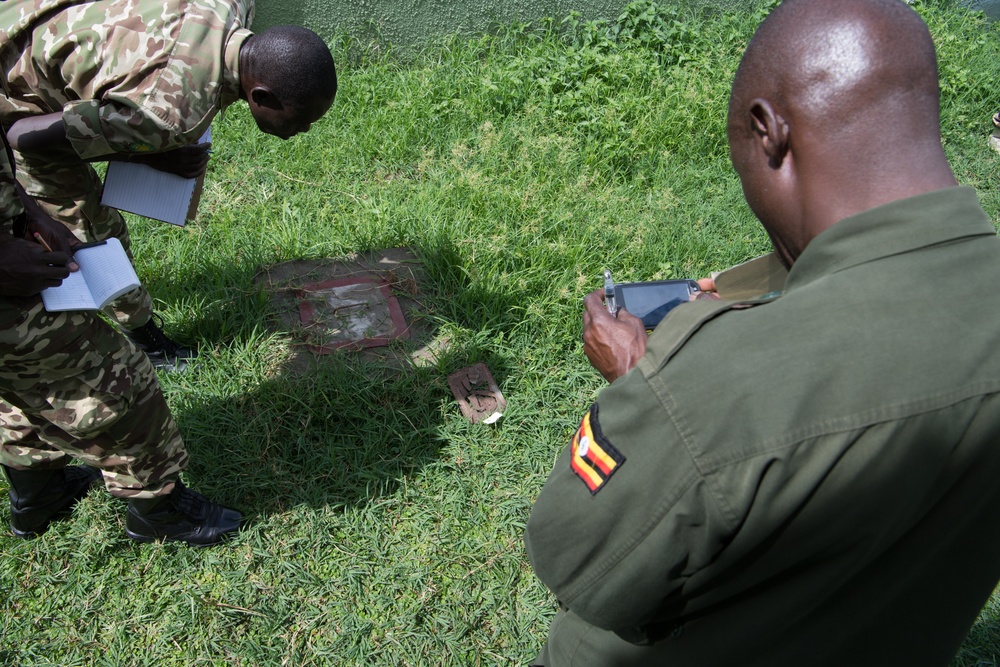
(615, 554)
(247, 12)
(10, 203)
(161, 86)
(96, 129)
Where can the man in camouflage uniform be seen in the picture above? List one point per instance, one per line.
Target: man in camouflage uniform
(74, 388)
(141, 80)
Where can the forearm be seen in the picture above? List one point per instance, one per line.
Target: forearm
(47, 134)
(28, 204)
(39, 133)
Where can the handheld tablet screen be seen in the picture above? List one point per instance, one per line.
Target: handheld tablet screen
(651, 302)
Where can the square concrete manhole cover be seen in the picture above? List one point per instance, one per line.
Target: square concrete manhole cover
(350, 312)
(368, 304)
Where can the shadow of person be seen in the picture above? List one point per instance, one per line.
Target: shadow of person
(271, 424)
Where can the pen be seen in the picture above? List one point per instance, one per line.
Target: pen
(40, 239)
(609, 293)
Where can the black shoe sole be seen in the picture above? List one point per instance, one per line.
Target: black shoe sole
(146, 539)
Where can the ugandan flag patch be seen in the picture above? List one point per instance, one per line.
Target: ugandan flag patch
(592, 457)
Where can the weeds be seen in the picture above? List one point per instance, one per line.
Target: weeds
(385, 529)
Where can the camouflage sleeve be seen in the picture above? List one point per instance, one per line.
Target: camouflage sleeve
(10, 203)
(159, 93)
(247, 12)
(96, 129)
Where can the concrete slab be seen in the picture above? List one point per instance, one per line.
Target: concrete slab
(365, 305)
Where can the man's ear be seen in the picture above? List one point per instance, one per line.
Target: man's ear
(263, 97)
(771, 130)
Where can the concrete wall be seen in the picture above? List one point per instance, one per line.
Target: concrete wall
(991, 7)
(409, 22)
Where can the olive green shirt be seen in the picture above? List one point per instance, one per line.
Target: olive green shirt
(812, 479)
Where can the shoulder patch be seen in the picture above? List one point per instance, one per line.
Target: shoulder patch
(592, 457)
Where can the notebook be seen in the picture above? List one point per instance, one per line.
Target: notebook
(151, 193)
(105, 273)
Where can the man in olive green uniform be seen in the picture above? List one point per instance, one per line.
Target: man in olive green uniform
(98, 80)
(807, 479)
(72, 387)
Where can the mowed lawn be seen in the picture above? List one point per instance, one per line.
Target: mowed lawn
(384, 529)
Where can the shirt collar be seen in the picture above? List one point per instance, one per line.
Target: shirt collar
(231, 73)
(891, 229)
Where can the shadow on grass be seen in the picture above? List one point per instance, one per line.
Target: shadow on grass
(981, 647)
(342, 430)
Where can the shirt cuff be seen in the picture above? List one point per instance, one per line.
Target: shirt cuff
(82, 120)
(10, 208)
(14, 225)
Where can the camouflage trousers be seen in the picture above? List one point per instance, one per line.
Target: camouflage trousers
(69, 190)
(73, 387)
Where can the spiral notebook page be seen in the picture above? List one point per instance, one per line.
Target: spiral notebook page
(140, 189)
(72, 294)
(107, 270)
(105, 273)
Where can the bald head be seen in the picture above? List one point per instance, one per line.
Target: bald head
(831, 59)
(294, 61)
(288, 77)
(834, 110)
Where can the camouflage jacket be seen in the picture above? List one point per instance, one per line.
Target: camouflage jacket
(10, 203)
(128, 75)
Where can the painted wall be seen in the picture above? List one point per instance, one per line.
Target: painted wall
(991, 7)
(409, 22)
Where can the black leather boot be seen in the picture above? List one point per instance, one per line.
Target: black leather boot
(38, 497)
(183, 516)
(163, 352)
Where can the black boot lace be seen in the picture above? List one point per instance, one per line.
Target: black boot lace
(190, 503)
(157, 339)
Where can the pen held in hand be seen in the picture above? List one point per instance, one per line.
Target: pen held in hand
(84, 246)
(72, 266)
(41, 239)
(609, 294)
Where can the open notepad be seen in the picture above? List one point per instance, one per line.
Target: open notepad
(151, 193)
(105, 273)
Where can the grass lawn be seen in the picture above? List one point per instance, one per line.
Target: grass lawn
(384, 528)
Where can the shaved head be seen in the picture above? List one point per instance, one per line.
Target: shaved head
(831, 59)
(296, 63)
(835, 110)
(288, 77)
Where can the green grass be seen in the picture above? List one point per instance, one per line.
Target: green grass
(385, 530)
